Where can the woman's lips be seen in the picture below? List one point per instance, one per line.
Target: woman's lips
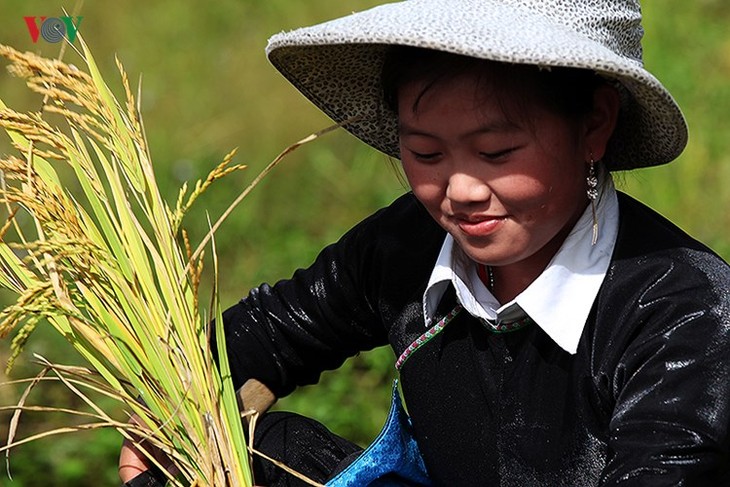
(479, 227)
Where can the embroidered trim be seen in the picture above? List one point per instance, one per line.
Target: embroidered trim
(438, 327)
(426, 337)
(507, 327)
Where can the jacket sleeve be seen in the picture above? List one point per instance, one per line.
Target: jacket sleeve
(672, 382)
(287, 334)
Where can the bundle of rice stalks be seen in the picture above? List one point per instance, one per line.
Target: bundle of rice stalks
(109, 267)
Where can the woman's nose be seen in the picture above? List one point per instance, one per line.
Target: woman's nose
(465, 188)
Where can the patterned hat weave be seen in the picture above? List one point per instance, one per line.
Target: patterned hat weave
(337, 64)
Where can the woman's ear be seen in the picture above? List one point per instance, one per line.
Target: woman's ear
(601, 122)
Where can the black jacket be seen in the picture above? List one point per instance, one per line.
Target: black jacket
(644, 401)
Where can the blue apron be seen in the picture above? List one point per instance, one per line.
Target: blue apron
(392, 459)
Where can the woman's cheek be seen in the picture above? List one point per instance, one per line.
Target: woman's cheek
(428, 194)
(425, 184)
(522, 193)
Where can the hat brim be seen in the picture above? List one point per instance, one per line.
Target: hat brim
(337, 65)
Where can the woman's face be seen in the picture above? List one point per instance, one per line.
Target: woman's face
(507, 186)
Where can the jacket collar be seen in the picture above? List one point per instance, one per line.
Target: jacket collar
(559, 300)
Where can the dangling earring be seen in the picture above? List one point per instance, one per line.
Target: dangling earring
(592, 192)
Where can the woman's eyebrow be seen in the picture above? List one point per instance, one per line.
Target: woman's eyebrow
(500, 126)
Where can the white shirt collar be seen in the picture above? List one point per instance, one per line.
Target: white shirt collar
(560, 299)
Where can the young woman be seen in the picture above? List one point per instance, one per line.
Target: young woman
(549, 330)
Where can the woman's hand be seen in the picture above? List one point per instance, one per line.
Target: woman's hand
(133, 462)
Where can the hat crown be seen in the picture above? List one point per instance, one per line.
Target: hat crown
(616, 24)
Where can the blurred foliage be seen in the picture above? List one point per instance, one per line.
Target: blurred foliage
(687, 46)
(207, 87)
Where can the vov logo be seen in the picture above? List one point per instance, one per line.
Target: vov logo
(52, 29)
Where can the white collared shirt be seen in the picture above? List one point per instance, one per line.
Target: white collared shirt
(561, 297)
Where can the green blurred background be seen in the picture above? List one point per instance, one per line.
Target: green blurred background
(207, 88)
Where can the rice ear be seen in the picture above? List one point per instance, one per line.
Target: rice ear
(103, 265)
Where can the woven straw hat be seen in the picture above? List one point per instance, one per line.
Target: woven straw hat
(337, 64)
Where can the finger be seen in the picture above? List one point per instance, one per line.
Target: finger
(131, 462)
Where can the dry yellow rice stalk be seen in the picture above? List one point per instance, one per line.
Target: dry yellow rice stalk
(105, 266)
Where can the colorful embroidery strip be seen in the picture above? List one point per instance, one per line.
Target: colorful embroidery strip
(438, 327)
(506, 327)
(426, 337)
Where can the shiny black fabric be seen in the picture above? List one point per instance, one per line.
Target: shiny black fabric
(643, 402)
(302, 444)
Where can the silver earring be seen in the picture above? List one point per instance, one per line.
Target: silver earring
(592, 192)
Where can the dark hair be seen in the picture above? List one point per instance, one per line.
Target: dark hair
(566, 91)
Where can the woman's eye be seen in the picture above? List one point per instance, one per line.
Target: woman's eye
(426, 156)
(497, 154)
